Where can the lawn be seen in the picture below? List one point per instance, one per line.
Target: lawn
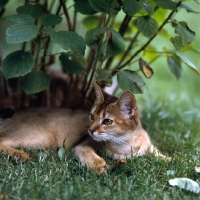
(170, 112)
(172, 121)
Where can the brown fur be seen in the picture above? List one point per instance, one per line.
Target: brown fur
(53, 128)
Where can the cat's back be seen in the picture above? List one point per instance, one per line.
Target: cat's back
(52, 122)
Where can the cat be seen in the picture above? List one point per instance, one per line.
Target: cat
(114, 126)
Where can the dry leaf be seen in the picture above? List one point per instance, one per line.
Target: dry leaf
(145, 68)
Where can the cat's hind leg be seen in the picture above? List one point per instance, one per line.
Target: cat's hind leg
(14, 152)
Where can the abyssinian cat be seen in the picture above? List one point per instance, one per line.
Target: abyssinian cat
(114, 125)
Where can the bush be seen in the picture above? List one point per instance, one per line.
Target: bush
(101, 39)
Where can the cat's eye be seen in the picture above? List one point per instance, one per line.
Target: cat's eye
(107, 121)
(91, 117)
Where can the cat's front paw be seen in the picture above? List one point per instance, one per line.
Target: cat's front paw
(98, 165)
(22, 155)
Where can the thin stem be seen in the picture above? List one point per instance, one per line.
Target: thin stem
(74, 20)
(111, 12)
(62, 3)
(124, 25)
(122, 30)
(92, 75)
(128, 49)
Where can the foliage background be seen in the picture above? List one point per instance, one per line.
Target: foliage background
(163, 83)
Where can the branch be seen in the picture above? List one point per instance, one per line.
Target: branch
(62, 3)
(122, 30)
(124, 25)
(149, 41)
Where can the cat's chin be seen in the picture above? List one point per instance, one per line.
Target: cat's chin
(99, 137)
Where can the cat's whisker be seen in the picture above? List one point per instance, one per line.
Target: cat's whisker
(117, 140)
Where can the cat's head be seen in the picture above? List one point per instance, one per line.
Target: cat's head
(112, 119)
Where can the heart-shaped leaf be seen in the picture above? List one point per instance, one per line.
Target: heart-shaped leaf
(84, 7)
(18, 63)
(166, 4)
(51, 20)
(186, 35)
(131, 7)
(106, 6)
(34, 10)
(69, 40)
(21, 33)
(34, 82)
(174, 64)
(106, 41)
(72, 62)
(104, 76)
(147, 25)
(130, 80)
(20, 18)
(148, 8)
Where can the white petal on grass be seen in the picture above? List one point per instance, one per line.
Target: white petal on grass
(185, 183)
(197, 169)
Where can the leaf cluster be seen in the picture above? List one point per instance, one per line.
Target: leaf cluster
(123, 36)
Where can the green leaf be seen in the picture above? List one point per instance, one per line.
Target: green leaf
(189, 8)
(34, 82)
(72, 62)
(18, 63)
(21, 33)
(174, 64)
(130, 80)
(104, 77)
(61, 153)
(69, 40)
(3, 3)
(131, 7)
(106, 6)
(198, 1)
(93, 37)
(166, 4)
(186, 35)
(148, 8)
(20, 18)
(188, 63)
(84, 7)
(176, 41)
(106, 41)
(51, 20)
(34, 10)
(147, 25)
(49, 30)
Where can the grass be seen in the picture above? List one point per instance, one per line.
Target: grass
(173, 131)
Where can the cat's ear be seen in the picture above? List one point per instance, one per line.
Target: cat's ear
(101, 96)
(127, 104)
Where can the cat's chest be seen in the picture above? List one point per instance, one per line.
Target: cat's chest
(117, 151)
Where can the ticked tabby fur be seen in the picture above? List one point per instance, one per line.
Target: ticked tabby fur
(114, 125)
